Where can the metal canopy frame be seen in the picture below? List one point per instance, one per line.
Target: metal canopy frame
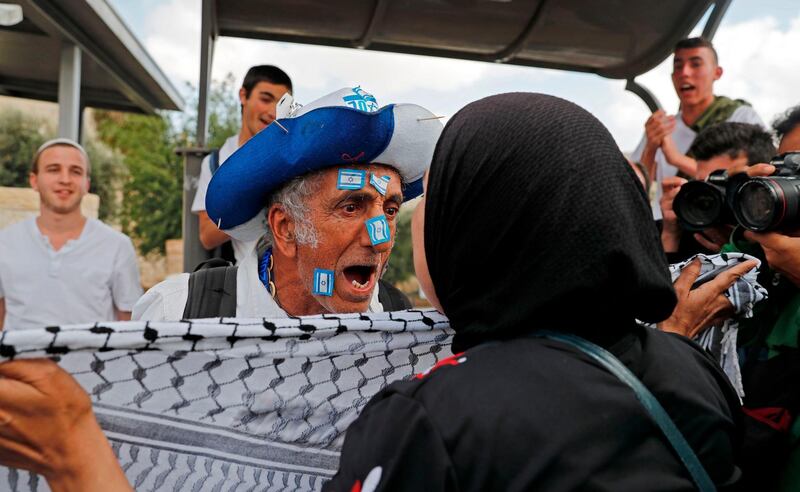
(510, 54)
(80, 53)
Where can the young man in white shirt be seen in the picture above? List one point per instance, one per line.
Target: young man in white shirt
(662, 150)
(263, 87)
(62, 267)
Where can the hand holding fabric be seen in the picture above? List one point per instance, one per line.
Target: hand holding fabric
(706, 305)
(47, 426)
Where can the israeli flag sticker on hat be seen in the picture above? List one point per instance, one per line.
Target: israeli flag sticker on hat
(379, 183)
(351, 179)
(341, 129)
(378, 230)
(323, 282)
(361, 100)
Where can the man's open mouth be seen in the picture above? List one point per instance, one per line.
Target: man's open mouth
(686, 87)
(360, 277)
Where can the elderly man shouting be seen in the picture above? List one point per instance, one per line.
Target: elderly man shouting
(322, 186)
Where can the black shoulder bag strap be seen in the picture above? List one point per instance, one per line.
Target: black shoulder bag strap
(212, 293)
(650, 403)
(391, 298)
(213, 161)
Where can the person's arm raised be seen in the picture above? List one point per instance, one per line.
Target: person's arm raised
(675, 157)
(658, 126)
(47, 426)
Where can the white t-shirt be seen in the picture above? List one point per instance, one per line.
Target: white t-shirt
(240, 248)
(80, 283)
(167, 300)
(683, 136)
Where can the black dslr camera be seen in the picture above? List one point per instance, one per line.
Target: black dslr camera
(759, 204)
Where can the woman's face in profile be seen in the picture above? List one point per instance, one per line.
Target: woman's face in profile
(418, 244)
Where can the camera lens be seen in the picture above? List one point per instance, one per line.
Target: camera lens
(698, 205)
(758, 204)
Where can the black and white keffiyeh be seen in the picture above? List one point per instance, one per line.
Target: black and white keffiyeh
(720, 341)
(232, 404)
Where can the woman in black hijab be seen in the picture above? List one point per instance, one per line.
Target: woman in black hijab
(533, 220)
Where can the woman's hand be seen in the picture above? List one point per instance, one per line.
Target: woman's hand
(47, 426)
(706, 305)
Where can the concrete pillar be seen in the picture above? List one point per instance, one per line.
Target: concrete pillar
(193, 251)
(69, 92)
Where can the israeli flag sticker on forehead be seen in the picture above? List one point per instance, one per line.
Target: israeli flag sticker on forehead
(323, 282)
(351, 179)
(379, 183)
(378, 230)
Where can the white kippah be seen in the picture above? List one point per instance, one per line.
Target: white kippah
(60, 141)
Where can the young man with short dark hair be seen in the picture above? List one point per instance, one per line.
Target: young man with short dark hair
(787, 129)
(262, 88)
(662, 151)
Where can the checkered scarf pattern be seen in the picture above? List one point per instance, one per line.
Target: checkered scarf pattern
(720, 341)
(232, 404)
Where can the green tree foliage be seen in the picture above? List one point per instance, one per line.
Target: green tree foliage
(225, 114)
(401, 263)
(20, 136)
(151, 209)
(107, 180)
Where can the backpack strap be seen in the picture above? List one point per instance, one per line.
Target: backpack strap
(212, 291)
(213, 161)
(649, 402)
(391, 298)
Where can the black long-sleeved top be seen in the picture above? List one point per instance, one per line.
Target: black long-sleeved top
(536, 414)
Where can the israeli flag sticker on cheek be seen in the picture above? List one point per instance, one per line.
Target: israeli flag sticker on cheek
(378, 230)
(379, 183)
(323, 282)
(351, 179)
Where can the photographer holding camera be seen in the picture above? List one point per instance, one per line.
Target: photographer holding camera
(764, 200)
(718, 147)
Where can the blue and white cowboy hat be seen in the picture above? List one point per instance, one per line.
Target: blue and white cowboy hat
(345, 127)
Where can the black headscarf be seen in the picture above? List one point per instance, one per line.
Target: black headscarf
(534, 219)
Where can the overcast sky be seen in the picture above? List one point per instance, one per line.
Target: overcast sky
(757, 42)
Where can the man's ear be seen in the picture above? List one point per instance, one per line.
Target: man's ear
(242, 95)
(717, 72)
(282, 227)
(33, 179)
